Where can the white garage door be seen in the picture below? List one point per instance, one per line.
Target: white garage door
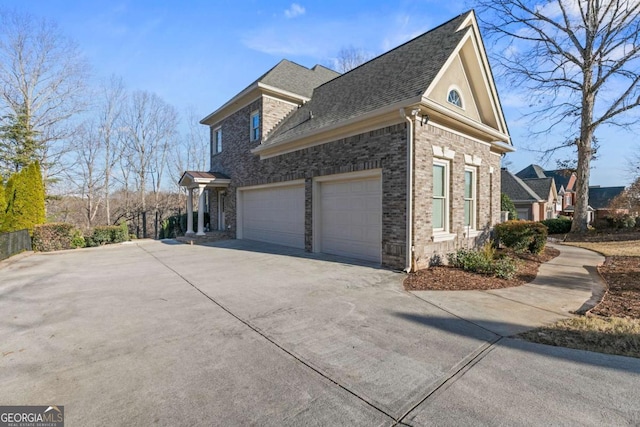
(274, 215)
(351, 218)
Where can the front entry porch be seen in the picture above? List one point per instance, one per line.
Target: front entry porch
(198, 182)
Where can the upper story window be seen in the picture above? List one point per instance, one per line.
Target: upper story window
(217, 140)
(454, 98)
(255, 126)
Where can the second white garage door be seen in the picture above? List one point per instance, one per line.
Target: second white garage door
(351, 218)
(274, 215)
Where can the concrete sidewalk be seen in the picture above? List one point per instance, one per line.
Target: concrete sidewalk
(567, 284)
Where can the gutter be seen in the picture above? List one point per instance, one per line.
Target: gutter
(409, 232)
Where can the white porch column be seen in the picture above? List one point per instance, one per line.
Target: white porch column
(200, 211)
(190, 211)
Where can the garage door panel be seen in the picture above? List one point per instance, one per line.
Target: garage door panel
(351, 218)
(274, 215)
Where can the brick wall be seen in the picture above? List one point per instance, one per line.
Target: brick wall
(379, 149)
(383, 149)
(426, 250)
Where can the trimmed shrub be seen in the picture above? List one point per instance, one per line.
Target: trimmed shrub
(104, 235)
(506, 205)
(621, 221)
(470, 260)
(505, 268)
(560, 225)
(53, 237)
(483, 262)
(77, 239)
(522, 235)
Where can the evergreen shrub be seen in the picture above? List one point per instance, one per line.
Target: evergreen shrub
(522, 236)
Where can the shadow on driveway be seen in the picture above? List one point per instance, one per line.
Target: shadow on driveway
(273, 249)
(453, 326)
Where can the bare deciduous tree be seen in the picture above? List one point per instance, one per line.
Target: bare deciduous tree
(578, 59)
(42, 76)
(349, 58)
(113, 97)
(87, 172)
(149, 125)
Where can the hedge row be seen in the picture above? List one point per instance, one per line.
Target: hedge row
(58, 236)
(561, 225)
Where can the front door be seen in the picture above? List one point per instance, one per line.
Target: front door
(221, 225)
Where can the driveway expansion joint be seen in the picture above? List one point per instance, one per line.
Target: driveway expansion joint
(444, 383)
(271, 340)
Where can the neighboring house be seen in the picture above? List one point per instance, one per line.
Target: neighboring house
(535, 199)
(394, 162)
(565, 182)
(600, 199)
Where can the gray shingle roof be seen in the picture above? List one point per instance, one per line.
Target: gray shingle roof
(398, 75)
(516, 189)
(292, 77)
(601, 197)
(560, 176)
(531, 171)
(540, 186)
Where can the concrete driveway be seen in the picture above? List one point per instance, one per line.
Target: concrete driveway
(242, 333)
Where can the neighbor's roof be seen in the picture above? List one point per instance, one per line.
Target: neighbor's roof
(531, 171)
(517, 189)
(398, 75)
(561, 177)
(541, 186)
(601, 197)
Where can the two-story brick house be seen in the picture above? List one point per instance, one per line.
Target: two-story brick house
(394, 162)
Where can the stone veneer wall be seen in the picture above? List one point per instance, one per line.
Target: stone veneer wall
(427, 251)
(379, 149)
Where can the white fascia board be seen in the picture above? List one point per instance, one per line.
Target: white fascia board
(314, 137)
(499, 136)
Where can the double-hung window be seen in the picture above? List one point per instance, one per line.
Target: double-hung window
(217, 140)
(440, 219)
(470, 199)
(255, 126)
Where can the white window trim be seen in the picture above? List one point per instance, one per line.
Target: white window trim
(251, 128)
(441, 234)
(215, 140)
(459, 92)
(474, 199)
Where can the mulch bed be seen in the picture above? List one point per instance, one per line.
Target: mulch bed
(444, 278)
(622, 274)
(600, 236)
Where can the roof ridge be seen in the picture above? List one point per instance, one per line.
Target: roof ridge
(399, 46)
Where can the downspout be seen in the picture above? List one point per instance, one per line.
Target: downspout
(409, 232)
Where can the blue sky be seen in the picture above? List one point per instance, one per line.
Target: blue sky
(199, 54)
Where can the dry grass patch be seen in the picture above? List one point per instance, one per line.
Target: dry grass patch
(611, 335)
(624, 248)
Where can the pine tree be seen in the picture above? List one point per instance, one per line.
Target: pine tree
(19, 146)
(25, 199)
